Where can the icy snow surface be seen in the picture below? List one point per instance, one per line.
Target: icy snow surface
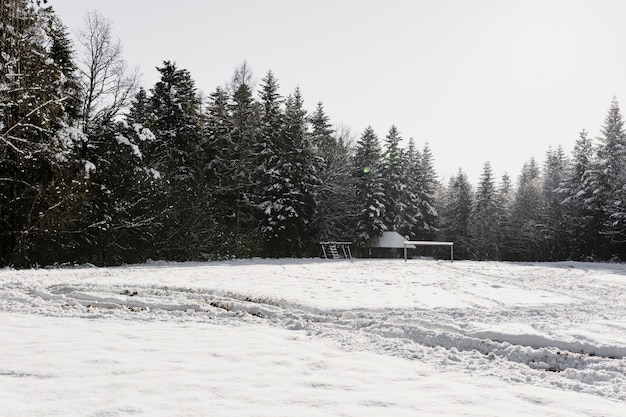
(314, 338)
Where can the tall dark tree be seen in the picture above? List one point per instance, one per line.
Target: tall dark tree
(333, 217)
(609, 182)
(370, 211)
(139, 112)
(528, 241)
(176, 155)
(426, 228)
(62, 53)
(221, 171)
(244, 111)
(581, 222)
(396, 193)
(411, 169)
(456, 214)
(552, 223)
(119, 222)
(300, 179)
(41, 184)
(485, 219)
(268, 171)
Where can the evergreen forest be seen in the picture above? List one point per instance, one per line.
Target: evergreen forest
(96, 169)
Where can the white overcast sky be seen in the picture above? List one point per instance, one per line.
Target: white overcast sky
(479, 80)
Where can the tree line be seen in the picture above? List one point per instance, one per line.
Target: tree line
(96, 169)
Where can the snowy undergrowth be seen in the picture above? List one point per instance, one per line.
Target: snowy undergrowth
(557, 326)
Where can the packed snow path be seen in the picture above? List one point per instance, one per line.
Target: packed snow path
(559, 326)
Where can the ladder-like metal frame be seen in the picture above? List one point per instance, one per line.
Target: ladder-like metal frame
(334, 251)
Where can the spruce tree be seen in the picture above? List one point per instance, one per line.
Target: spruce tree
(581, 222)
(269, 175)
(426, 228)
(411, 192)
(41, 180)
(553, 227)
(120, 221)
(300, 179)
(396, 200)
(176, 154)
(528, 241)
(241, 222)
(456, 214)
(334, 194)
(220, 170)
(609, 182)
(485, 219)
(370, 208)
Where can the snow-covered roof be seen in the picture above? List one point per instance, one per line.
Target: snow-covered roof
(389, 240)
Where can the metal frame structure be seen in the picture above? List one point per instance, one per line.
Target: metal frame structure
(332, 248)
(428, 243)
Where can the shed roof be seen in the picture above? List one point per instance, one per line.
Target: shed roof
(388, 240)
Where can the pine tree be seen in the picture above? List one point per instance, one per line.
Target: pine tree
(528, 241)
(269, 176)
(411, 178)
(505, 198)
(553, 227)
(62, 53)
(396, 193)
(176, 155)
(244, 122)
(41, 182)
(300, 179)
(456, 214)
(581, 223)
(371, 210)
(120, 218)
(609, 182)
(139, 111)
(485, 219)
(333, 217)
(221, 171)
(426, 228)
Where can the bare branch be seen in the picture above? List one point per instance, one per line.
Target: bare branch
(107, 84)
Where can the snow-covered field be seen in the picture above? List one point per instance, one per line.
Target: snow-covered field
(314, 338)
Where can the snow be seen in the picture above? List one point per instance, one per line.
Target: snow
(123, 140)
(314, 338)
(389, 240)
(89, 168)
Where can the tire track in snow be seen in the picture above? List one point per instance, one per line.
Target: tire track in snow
(414, 334)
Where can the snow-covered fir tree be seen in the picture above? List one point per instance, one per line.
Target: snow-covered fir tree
(426, 186)
(119, 220)
(41, 186)
(371, 210)
(334, 193)
(300, 179)
(396, 192)
(580, 222)
(241, 224)
(455, 216)
(411, 193)
(527, 241)
(221, 170)
(485, 219)
(287, 200)
(609, 182)
(552, 224)
(176, 155)
(269, 175)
